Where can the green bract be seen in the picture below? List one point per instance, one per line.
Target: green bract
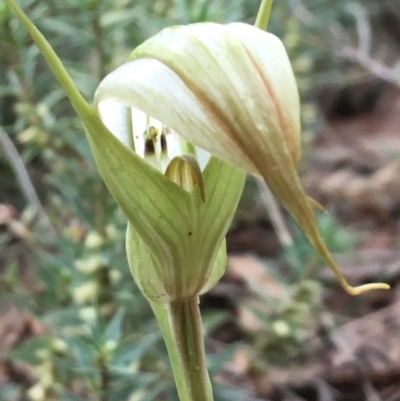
(190, 258)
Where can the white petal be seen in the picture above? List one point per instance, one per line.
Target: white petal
(115, 117)
(174, 145)
(202, 156)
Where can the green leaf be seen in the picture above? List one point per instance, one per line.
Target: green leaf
(216, 362)
(154, 392)
(113, 330)
(127, 355)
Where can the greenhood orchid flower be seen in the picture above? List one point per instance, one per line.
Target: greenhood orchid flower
(234, 87)
(228, 90)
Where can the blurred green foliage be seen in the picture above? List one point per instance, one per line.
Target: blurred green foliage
(69, 270)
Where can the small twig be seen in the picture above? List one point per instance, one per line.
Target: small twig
(22, 176)
(363, 28)
(373, 66)
(361, 53)
(275, 214)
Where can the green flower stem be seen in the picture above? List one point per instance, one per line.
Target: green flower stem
(188, 330)
(181, 326)
(263, 14)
